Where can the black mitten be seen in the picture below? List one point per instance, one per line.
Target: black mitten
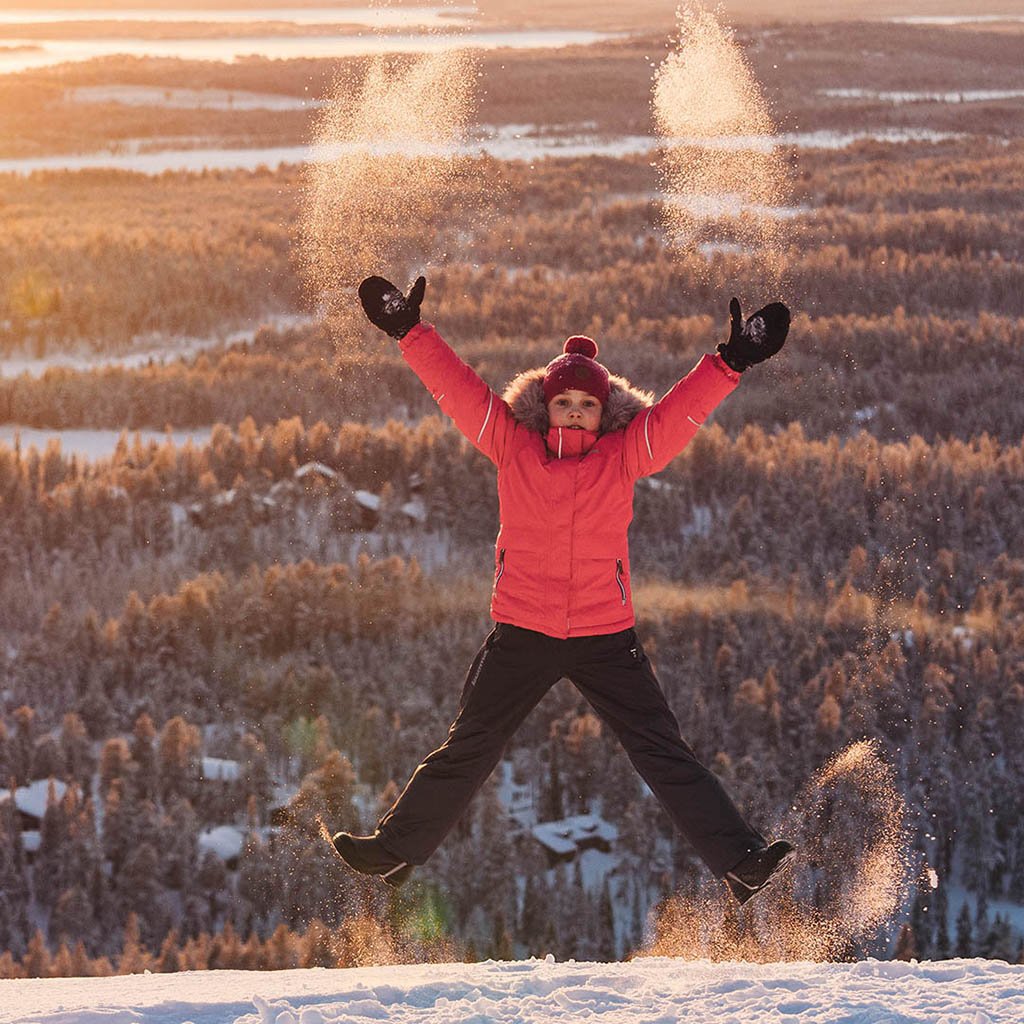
(387, 308)
(756, 340)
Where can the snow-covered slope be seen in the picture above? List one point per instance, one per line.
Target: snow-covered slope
(652, 991)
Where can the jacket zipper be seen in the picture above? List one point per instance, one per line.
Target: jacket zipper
(619, 580)
(572, 525)
(572, 535)
(501, 566)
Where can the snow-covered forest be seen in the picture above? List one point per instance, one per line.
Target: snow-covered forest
(195, 639)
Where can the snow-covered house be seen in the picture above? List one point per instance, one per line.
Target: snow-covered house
(314, 470)
(565, 839)
(226, 841)
(219, 769)
(370, 504)
(30, 804)
(415, 510)
(30, 801)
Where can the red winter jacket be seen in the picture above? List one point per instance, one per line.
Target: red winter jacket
(566, 496)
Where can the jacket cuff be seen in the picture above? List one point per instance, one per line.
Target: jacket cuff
(414, 332)
(733, 375)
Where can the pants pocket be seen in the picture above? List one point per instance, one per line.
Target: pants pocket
(636, 649)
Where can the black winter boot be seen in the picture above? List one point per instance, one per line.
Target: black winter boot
(366, 855)
(758, 869)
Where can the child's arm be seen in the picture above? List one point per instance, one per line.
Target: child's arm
(482, 416)
(660, 433)
(477, 411)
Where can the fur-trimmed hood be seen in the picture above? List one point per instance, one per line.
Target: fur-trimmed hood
(525, 397)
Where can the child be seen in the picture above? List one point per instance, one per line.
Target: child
(570, 441)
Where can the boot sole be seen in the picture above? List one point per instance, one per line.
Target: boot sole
(784, 864)
(393, 878)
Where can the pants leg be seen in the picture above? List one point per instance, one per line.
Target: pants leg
(508, 677)
(615, 676)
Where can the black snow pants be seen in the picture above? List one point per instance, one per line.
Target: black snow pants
(513, 670)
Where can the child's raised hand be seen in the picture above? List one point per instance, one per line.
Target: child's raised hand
(387, 308)
(756, 340)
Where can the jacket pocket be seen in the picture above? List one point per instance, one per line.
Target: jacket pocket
(620, 579)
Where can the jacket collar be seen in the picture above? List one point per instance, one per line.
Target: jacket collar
(564, 443)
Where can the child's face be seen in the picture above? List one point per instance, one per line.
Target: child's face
(577, 410)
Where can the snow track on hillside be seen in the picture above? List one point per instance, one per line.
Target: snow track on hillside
(653, 991)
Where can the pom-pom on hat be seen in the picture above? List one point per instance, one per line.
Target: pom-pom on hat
(577, 370)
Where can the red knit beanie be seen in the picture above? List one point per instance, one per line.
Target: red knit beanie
(577, 370)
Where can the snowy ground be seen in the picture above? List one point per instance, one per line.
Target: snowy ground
(652, 991)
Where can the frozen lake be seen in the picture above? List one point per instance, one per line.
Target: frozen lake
(957, 96)
(504, 142)
(187, 99)
(956, 19)
(372, 17)
(95, 444)
(815, 140)
(237, 99)
(22, 55)
(145, 351)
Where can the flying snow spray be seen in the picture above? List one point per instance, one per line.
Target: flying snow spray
(852, 873)
(386, 151)
(722, 174)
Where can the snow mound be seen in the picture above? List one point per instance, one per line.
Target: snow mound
(654, 990)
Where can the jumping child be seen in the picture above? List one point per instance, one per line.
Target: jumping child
(569, 440)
